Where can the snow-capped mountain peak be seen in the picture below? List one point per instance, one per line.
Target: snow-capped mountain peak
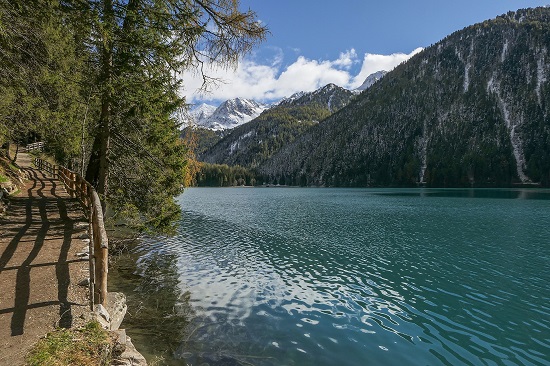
(330, 96)
(292, 98)
(371, 79)
(203, 112)
(229, 114)
(196, 115)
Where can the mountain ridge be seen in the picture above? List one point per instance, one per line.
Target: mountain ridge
(237, 111)
(251, 143)
(471, 110)
(229, 114)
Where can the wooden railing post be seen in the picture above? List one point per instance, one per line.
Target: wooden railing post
(77, 186)
(72, 184)
(101, 253)
(91, 253)
(82, 191)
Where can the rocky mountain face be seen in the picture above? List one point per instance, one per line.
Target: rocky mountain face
(199, 115)
(230, 114)
(471, 110)
(252, 143)
(330, 97)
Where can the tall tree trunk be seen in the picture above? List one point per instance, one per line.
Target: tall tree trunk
(104, 148)
(16, 152)
(9, 151)
(92, 171)
(98, 168)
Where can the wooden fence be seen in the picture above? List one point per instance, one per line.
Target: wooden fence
(79, 188)
(34, 146)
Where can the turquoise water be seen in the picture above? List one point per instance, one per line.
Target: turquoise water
(297, 276)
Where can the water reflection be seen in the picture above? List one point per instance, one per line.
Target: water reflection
(161, 319)
(158, 311)
(519, 193)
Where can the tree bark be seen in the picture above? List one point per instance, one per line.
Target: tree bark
(98, 168)
(16, 152)
(104, 148)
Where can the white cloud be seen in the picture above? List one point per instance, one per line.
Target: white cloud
(269, 80)
(346, 59)
(373, 63)
(308, 75)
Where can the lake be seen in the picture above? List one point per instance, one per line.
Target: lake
(305, 276)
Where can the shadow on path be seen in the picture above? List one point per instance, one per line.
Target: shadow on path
(17, 206)
(62, 268)
(42, 231)
(22, 286)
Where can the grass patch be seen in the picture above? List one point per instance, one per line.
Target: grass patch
(3, 179)
(90, 345)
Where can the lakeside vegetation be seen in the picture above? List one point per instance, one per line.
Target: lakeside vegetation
(223, 175)
(90, 345)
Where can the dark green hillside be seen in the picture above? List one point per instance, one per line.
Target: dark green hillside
(471, 110)
(204, 138)
(253, 143)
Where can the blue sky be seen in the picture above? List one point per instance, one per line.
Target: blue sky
(314, 42)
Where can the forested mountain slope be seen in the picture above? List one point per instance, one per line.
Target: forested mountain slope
(251, 144)
(471, 110)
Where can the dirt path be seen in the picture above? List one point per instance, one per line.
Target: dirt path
(39, 269)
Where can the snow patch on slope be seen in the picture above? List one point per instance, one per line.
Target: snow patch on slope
(235, 145)
(511, 124)
(371, 79)
(467, 68)
(504, 51)
(330, 103)
(541, 76)
(467, 76)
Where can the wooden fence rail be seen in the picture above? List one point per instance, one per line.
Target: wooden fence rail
(34, 146)
(79, 188)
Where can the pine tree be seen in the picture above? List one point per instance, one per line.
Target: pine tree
(139, 48)
(41, 81)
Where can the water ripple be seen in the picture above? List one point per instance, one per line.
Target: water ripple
(352, 277)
